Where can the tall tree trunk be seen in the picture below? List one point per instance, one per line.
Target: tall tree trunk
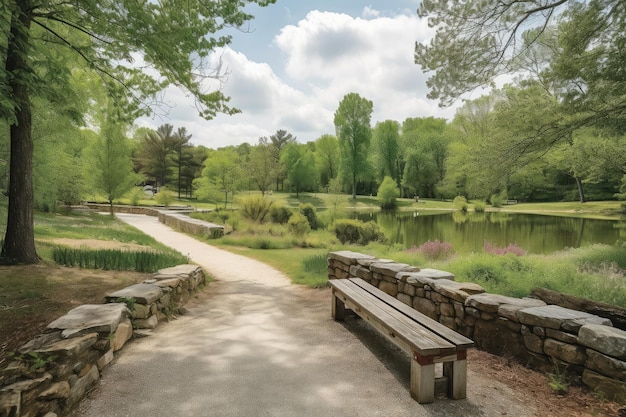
(581, 191)
(19, 240)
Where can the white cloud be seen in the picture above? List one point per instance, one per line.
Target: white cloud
(325, 56)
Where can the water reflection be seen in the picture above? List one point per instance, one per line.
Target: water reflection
(468, 231)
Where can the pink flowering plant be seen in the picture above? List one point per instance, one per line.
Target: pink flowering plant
(512, 248)
(433, 250)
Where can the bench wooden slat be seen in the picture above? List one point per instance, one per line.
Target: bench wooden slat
(393, 325)
(450, 335)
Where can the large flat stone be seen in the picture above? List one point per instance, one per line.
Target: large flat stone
(88, 318)
(433, 274)
(392, 268)
(142, 293)
(176, 271)
(606, 365)
(605, 339)
(53, 345)
(510, 310)
(559, 318)
(489, 303)
(348, 257)
(458, 291)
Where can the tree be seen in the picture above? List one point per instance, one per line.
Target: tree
(154, 154)
(352, 123)
(223, 170)
(261, 166)
(279, 141)
(181, 156)
(113, 165)
(300, 165)
(327, 158)
(388, 192)
(173, 38)
(386, 144)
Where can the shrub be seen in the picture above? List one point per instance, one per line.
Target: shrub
(460, 203)
(370, 232)
(135, 196)
(387, 193)
(116, 259)
(479, 206)
(255, 207)
(164, 197)
(433, 251)
(308, 211)
(298, 224)
(512, 248)
(280, 214)
(498, 200)
(355, 231)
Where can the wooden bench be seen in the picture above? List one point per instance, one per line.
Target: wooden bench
(427, 341)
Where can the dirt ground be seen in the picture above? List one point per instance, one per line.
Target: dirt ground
(21, 318)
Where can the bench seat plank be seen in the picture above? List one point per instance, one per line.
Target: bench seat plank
(450, 335)
(393, 325)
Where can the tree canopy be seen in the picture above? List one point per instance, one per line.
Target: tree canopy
(137, 48)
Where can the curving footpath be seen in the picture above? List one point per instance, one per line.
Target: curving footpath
(256, 345)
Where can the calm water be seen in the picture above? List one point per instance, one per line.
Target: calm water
(467, 233)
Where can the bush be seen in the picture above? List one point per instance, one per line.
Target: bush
(433, 251)
(116, 259)
(255, 207)
(460, 203)
(163, 197)
(355, 231)
(298, 224)
(280, 214)
(135, 196)
(370, 232)
(387, 193)
(480, 206)
(498, 200)
(308, 211)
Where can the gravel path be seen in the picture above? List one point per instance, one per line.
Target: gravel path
(256, 345)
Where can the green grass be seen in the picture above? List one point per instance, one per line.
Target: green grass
(115, 259)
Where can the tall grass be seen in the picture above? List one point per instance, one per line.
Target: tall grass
(116, 259)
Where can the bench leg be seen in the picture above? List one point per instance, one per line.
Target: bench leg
(422, 382)
(338, 307)
(456, 371)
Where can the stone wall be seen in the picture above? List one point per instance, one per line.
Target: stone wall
(52, 372)
(173, 216)
(544, 337)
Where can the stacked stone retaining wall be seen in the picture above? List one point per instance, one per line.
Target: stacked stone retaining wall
(52, 372)
(544, 337)
(174, 216)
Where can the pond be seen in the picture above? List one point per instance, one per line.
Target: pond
(468, 232)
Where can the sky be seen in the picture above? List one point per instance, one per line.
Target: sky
(291, 66)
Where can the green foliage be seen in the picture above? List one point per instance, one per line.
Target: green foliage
(136, 195)
(558, 380)
(356, 231)
(118, 260)
(298, 224)
(387, 193)
(299, 164)
(316, 264)
(255, 207)
(480, 206)
(460, 203)
(498, 200)
(280, 214)
(308, 211)
(130, 302)
(164, 197)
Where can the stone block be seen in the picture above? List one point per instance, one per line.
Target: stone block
(123, 334)
(149, 323)
(409, 289)
(419, 292)
(510, 310)
(438, 298)
(490, 303)
(105, 360)
(53, 345)
(142, 293)
(426, 307)
(606, 365)
(10, 403)
(140, 311)
(81, 385)
(57, 391)
(406, 299)
(511, 325)
(360, 272)
(562, 336)
(341, 274)
(614, 389)
(446, 309)
(532, 342)
(539, 331)
(604, 339)
(494, 337)
(459, 310)
(348, 257)
(89, 318)
(473, 312)
(392, 268)
(488, 316)
(389, 288)
(567, 353)
(448, 322)
(458, 291)
(558, 318)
